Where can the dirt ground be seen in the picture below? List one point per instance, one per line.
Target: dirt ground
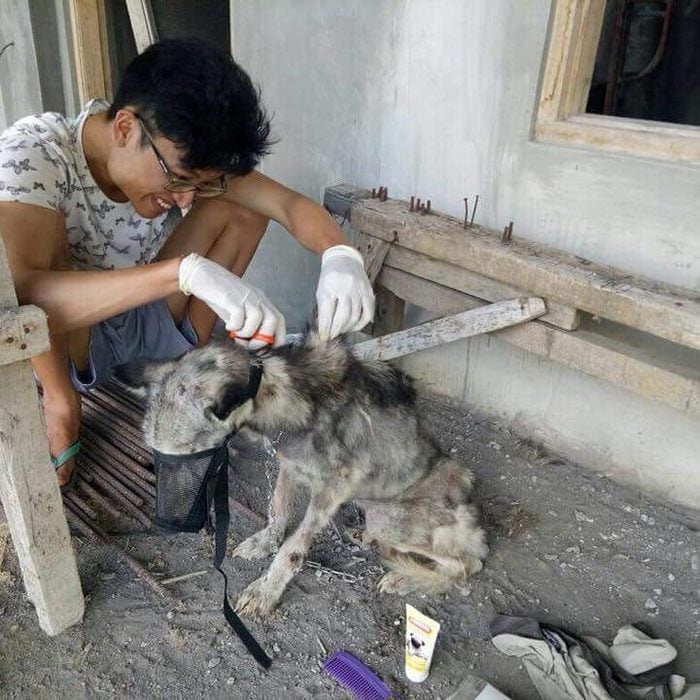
(567, 547)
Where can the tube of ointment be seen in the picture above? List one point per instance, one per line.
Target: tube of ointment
(421, 635)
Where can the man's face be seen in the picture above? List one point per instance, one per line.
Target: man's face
(143, 170)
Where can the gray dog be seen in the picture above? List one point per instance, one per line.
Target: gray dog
(352, 433)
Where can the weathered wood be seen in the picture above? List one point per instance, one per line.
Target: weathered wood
(388, 313)
(621, 356)
(143, 24)
(90, 49)
(373, 251)
(23, 333)
(474, 284)
(573, 41)
(668, 312)
(486, 319)
(30, 495)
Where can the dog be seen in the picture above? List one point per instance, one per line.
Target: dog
(351, 433)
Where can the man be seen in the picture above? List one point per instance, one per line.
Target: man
(83, 206)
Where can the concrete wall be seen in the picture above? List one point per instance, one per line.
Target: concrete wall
(436, 98)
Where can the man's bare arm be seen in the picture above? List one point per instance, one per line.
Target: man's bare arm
(306, 220)
(35, 240)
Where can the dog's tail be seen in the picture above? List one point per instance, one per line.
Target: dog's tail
(434, 576)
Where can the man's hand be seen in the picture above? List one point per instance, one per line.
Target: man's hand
(243, 308)
(344, 295)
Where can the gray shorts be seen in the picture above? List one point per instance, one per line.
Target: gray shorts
(148, 332)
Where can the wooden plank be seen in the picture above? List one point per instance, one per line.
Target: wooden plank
(142, 23)
(92, 65)
(651, 367)
(474, 284)
(23, 333)
(624, 136)
(30, 495)
(486, 319)
(668, 312)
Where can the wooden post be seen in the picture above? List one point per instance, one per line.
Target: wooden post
(388, 314)
(90, 49)
(28, 486)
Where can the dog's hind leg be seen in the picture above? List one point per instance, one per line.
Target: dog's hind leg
(261, 596)
(267, 541)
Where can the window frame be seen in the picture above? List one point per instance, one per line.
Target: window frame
(575, 29)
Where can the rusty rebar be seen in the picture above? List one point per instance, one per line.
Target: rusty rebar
(121, 472)
(413, 201)
(73, 498)
(96, 533)
(466, 212)
(143, 474)
(98, 498)
(476, 204)
(124, 502)
(115, 408)
(97, 472)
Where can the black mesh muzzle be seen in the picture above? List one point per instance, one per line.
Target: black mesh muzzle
(184, 487)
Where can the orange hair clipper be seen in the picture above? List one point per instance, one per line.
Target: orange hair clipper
(264, 337)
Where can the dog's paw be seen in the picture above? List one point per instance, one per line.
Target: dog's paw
(395, 582)
(357, 536)
(257, 600)
(258, 546)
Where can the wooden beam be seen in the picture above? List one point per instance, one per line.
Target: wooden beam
(485, 319)
(621, 356)
(90, 49)
(663, 310)
(142, 23)
(23, 333)
(30, 495)
(474, 284)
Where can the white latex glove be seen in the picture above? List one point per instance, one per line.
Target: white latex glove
(244, 308)
(344, 295)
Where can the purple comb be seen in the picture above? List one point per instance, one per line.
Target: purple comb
(355, 677)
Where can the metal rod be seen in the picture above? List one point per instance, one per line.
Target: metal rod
(124, 502)
(94, 532)
(98, 472)
(104, 450)
(73, 498)
(413, 201)
(128, 478)
(98, 498)
(100, 451)
(466, 211)
(184, 577)
(476, 204)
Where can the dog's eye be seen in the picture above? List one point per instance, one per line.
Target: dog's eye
(181, 390)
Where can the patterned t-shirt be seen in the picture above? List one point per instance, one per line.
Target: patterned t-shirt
(42, 162)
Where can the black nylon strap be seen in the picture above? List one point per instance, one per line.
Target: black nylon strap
(222, 522)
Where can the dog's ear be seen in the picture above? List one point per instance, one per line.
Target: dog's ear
(138, 375)
(231, 397)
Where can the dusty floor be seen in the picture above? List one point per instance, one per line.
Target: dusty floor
(568, 547)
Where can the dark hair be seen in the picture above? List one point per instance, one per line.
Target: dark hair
(199, 98)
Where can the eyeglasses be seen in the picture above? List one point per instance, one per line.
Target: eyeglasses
(176, 183)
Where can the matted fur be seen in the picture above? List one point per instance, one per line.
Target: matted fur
(351, 432)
